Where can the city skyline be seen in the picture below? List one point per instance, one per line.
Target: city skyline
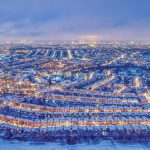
(74, 74)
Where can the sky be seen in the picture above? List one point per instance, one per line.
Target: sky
(75, 19)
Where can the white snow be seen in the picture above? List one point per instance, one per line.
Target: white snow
(103, 145)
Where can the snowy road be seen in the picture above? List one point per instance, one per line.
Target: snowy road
(103, 145)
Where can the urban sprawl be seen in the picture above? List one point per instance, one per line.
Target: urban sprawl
(74, 91)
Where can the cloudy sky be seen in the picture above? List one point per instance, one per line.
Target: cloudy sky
(75, 19)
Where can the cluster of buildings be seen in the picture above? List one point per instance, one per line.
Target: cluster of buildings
(74, 92)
